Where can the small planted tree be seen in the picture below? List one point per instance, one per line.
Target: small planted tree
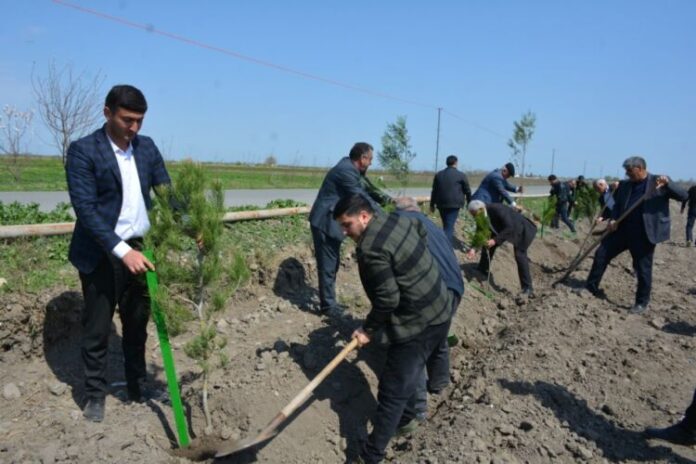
(548, 212)
(586, 204)
(480, 238)
(396, 154)
(186, 232)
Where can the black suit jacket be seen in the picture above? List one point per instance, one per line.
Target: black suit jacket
(96, 192)
(511, 226)
(450, 189)
(655, 207)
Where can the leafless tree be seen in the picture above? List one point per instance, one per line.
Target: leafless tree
(14, 127)
(69, 103)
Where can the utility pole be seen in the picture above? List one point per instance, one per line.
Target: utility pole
(553, 159)
(437, 143)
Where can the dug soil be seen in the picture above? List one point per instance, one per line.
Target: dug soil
(562, 377)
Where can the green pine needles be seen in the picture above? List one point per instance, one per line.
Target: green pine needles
(197, 275)
(586, 204)
(548, 212)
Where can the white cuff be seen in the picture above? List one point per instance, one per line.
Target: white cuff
(121, 249)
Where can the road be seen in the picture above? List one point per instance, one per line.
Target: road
(48, 200)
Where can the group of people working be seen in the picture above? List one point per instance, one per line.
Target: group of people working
(406, 263)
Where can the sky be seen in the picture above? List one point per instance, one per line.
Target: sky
(238, 81)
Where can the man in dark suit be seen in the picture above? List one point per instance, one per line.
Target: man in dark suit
(344, 179)
(494, 187)
(110, 173)
(691, 215)
(450, 190)
(646, 226)
(561, 190)
(507, 225)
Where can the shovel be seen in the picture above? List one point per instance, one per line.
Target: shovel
(272, 429)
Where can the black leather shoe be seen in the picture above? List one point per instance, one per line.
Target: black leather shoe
(676, 433)
(638, 308)
(527, 292)
(94, 410)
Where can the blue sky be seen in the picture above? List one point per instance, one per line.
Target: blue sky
(606, 79)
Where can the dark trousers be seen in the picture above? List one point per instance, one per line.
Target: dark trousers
(109, 284)
(562, 212)
(690, 415)
(449, 218)
(397, 385)
(690, 226)
(436, 375)
(522, 265)
(636, 242)
(327, 253)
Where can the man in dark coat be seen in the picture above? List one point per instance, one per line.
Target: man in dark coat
(110, 174)
(494, 187)
(344, 179)
(439, 246)
(507, 225)
(450, 191)
(561, 190)
(646, 226)
(606, 198)
(691, 215)
(411, 308)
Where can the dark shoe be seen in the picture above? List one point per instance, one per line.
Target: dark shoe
(410, 427)
(139, 392)
(597, 293)
(527, 292)
(638, 308)
(676, 433)
(94, 410)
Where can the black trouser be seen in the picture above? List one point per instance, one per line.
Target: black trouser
(690, 226)
(562, 212)
(397, 385)
(109, 284)
(522, 265)
(327, 253)
(636, 242)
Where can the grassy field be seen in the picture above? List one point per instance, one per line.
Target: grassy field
(44, 173)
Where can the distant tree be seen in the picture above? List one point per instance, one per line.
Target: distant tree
(396, 154)
(521, 136)
(270, 160)
(69, 104)
(14, 128)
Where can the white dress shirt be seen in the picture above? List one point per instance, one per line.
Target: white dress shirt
(132, 220)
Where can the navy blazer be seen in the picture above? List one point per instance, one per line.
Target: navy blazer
(655, 207)
(450, 189)
(342, 180)
(96, 192)
(494, 188)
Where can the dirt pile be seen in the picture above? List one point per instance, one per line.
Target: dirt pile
(565, 377)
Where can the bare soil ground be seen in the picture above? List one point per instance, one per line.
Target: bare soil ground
(565, 377)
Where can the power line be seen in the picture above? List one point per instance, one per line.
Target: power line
(196, 43)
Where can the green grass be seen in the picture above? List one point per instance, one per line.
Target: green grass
(46, 173)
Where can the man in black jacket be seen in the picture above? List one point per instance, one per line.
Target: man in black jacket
(646, 226)
(561, 190)
(506, 224)
(344, 179)
(450, 189)
(691, 200)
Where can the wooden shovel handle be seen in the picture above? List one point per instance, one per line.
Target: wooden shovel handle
(301, 397)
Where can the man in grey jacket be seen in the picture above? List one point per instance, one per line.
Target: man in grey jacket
(345, 179)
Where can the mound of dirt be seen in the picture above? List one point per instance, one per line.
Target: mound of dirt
(562, 377)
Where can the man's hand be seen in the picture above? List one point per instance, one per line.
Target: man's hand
(136, 262)
(490, 243)
(471, 254)
(599, 220)
(612, 226)
(662, 181)
(361, 336)
(520, 189)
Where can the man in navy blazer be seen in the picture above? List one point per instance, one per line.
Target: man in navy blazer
(494, 187)
(343, 180)
(110, 174)
(646, 226)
